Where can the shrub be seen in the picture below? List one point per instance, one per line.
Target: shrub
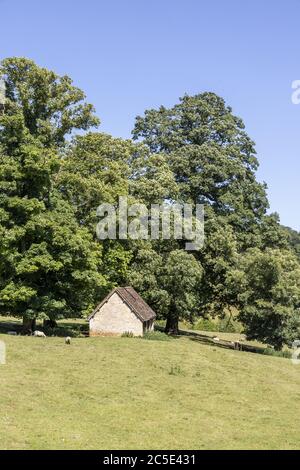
(127, 334)
(272, 352)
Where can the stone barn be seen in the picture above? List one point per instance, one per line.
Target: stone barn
(123, 310)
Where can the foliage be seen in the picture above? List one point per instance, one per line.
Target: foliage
(50, 265)
(169, 283)
(52, 181)
(94, 170)
(271, 296)
(293, 238)
(49, 107)
(210, 154)
(213, 163)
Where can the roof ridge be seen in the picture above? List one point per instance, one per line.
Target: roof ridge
(134, 301)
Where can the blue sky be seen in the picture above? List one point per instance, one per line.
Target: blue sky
(132, 55)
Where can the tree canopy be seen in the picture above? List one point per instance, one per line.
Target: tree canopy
(50, 265)
(55, 170)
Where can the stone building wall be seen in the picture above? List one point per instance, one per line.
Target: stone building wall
(115, 318)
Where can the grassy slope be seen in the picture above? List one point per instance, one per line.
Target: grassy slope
(125, 393)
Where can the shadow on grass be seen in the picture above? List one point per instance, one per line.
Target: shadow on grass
(67, 329)
(210, 342)
(62, 330)
(161, 329)
(225, 344)
(6, 326)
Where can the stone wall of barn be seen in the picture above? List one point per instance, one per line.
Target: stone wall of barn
(115, 318)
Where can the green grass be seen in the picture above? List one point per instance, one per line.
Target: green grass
(126, 393)
(157, 336)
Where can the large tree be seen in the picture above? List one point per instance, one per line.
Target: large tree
(169, 282)
(49, 263)
(210, 154)
(212, 161)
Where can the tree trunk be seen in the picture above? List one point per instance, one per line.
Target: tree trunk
(172, 325)
(49, 323)
(29, 325)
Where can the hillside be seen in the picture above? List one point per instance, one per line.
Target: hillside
(125, 393)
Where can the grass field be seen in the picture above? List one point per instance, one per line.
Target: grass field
(131, 393)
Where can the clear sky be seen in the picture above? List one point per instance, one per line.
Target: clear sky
(132, 55)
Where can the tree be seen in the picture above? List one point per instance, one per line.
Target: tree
(180, 277)
(219, 289)
(169, 283)
(270, 292)
(48, 105)
(95, 170)
(52, 181)
(50, 265)
(151, 179)
(212, 161)
(144, 274)
(293, 238)
(211, 156)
